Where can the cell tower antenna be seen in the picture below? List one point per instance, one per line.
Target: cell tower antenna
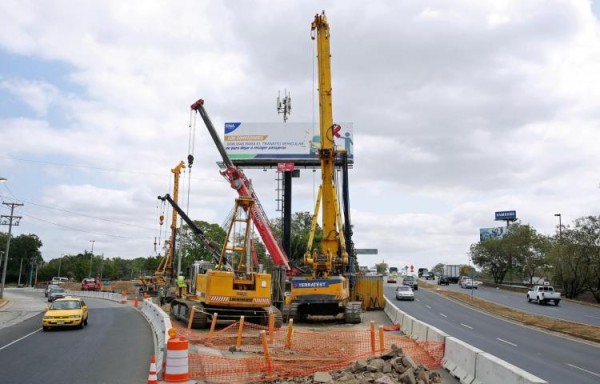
(284, 106)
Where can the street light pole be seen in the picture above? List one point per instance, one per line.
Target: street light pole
(92, 257)
(559, 226)
(8, 220)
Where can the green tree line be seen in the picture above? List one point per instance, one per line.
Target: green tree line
(570, 258)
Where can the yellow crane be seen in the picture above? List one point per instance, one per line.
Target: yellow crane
(164, 272)
(327, 290)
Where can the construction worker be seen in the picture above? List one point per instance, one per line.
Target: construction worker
(181, 284)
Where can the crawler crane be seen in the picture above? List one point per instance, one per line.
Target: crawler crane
(232, 290)
(326, 292)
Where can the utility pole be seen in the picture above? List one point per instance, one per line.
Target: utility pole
(8, 220)
(20, 269)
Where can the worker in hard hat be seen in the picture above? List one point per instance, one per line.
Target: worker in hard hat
(181, 284)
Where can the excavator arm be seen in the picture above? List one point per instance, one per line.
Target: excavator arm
(197, 231)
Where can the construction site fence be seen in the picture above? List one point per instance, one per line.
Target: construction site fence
(246, 352)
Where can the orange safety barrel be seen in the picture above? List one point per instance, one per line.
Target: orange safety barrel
(123, 297)
(177, 368)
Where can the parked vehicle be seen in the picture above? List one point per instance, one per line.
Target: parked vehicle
(452, 271)
(66, 312)
(543, 294)
(410, 281)
(90, 284)
(404, 292)
(443, 280)
(59, 280)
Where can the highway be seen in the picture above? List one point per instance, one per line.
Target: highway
(114, 348)
(555, 359)
(567, 310)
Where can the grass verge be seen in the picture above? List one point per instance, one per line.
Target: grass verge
(582, 331)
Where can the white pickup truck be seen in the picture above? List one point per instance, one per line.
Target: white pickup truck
(543, 294)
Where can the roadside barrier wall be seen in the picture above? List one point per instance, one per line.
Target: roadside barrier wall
(467, 363)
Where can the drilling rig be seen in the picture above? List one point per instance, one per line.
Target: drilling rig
(327, 291)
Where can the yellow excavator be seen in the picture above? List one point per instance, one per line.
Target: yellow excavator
(230, 285)
(326, 291)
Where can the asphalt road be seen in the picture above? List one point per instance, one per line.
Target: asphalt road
(567, 310)
(555, 359)
(114, 348)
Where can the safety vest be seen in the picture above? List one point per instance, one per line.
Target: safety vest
(181, 281)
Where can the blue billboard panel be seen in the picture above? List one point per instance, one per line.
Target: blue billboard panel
(506, 215)
(491, 233)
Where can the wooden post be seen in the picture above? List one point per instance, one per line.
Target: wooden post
(288, 336)
(192, 313)
(212, 326)
(263, 336)
(271, 326)
(372, 337)
(381, 339)
(240, 331)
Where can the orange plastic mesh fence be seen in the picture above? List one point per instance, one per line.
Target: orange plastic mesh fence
(311, 350)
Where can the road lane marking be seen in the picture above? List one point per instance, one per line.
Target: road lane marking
(441, 314)
(428, 306)
(593, 317)
(584, 370)
(16, 341)
(466, 326)
(507, 342)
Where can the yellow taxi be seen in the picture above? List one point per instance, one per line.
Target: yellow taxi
(66, 312)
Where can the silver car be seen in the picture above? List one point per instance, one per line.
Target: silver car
(404, 292)
(56, 293)
(48, 288)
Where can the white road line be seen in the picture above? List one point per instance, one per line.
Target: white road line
(428, 306)
(593, 317)
(441, 314)
(466, 326)
(584, 370)
(507, 342)
(9, 344)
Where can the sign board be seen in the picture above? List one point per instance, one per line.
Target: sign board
(506, 215)
(283, 167)
(491, 233)
(282, 141)
(366, 251)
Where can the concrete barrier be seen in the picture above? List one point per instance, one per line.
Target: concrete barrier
(468, 364)
(491, 370)
(460, 359)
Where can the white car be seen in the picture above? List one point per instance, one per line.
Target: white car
(468, 284)
(404, 292)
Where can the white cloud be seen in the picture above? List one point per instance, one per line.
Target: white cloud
(460, 108)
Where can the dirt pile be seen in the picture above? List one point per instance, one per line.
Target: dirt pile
(392, 367)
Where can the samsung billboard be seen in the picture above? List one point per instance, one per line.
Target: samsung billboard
(506, 215)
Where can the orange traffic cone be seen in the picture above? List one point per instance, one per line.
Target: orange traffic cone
(135, 302)
(152, 378)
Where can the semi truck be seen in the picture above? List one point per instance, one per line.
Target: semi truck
(452, 272)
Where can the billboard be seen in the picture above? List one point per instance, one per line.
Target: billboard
(506, 215)
(491, 233)
(283, 142)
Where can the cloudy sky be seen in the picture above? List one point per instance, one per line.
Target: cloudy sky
(460, 109)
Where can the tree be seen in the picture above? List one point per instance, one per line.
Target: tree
(22, 247)
(438, 269)
(576, 259)
(381, 268)
(492, 256)
(300, 231)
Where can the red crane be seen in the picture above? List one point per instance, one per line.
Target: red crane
(238, 181)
